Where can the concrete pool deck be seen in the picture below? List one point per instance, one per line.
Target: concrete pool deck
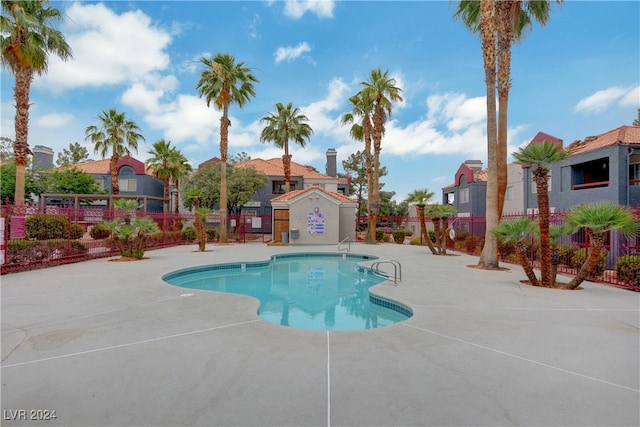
(110, 344)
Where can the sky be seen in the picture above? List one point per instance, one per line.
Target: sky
(577, 76)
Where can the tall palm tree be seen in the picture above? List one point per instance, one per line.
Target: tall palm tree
(286, 123)
(382, 91)
(225, 82)
(363, 131)
(420, 198)
(162, 164)
(180, 169)
(541, 156)
(27, 40)
(500, 24)
(116, 135)
(519, 232)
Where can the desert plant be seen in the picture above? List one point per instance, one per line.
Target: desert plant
(628, 269)
(400, 234)
(211, 234)
(45, 227)
(518, 231)
(98, 232)
(189, 234)
(75, 232)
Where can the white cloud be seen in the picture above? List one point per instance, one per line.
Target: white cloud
(290, 53)
(296, 8)
(631, 98)
(108, 48)
(54, 120)
(602, 99)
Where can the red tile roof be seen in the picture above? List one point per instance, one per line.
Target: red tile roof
(274, 167)
(295, 193)
(101, 167)
(622, 135)
(542, 136)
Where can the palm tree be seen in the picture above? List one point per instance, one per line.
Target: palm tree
(180, 169)
(439, 215)
(27, 40)
(363, 131)
(382, 91)
(541, 156)
(599, 219)
(555, 233)
(499, 23)
(224, 82)
(518, 232)
(286, 123)
(127, 205)
(161, 163)
(200, 221)
(116, 135)
(420, 198)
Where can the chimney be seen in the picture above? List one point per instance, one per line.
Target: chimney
(475, 165)
(331, 162)
(42, 157)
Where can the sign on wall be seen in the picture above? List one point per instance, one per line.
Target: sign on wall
(315, 223)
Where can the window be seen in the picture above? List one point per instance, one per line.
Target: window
(509, 193)
(634, 174)
(464, 195)
(591, 174)
(278, 187)
(128, 184)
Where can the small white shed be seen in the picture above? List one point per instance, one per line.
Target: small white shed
(313, 216)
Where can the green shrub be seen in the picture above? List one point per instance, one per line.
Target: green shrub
(189, 234)
(380, 234)
(42, 251)
(400, 234)
(212, 233)
(75, 232)
(628, 269)
(566, 253)
(98, 231)
(580, 257)
(45, 227)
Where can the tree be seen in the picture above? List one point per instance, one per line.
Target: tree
(421, 197)
(8, 182)
(286, 123)
(382, 91)
(207, 181)
(70, 181)
(224, 82)
(499, 23)
(75, 154)
(193, 196)
(636, 122)
(243, 184)
(439, 215)
(116, 135)
(28, 38)
(180, 169)
(362, 107)
(6, 149)
(519, 232)
(162, 162)
(356, 166)
(541, 156)
(240, 157)
(599, 219)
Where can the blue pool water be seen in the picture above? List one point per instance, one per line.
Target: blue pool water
(320, 291)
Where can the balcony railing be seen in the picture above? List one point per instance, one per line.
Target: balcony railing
(590, 185)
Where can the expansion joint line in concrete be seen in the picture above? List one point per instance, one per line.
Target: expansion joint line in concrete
(113, 347)
(515, 356)
(328, 381)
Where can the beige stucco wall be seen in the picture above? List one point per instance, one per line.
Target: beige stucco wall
(316, 226)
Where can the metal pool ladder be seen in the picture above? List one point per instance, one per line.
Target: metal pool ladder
(348, 242)
(397, 269)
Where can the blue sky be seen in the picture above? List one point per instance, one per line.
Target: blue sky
(577, 76)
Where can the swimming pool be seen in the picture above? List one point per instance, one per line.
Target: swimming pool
(319, 291)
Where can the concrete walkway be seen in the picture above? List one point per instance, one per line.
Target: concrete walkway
(110, 344)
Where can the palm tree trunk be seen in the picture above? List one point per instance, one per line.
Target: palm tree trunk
(224, 143)
(555, 260)
(597, 241)
(526, 265)
(286, 165)
(113, 166)
(21, 90)
(489, 256)
(540, 177)
(371, 220)
(423, 229)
